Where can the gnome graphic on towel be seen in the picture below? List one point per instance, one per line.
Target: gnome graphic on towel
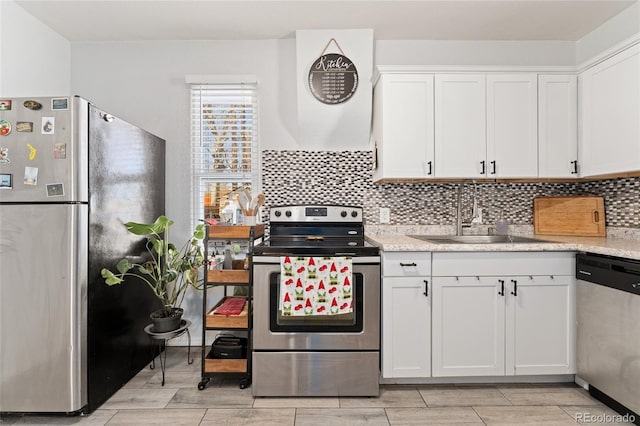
(312, 273)
(288, 272)
(322, 293)
(334, 306)
(299, 290)
(308, 309)
(346, 289)
(286, 305)
(333, 275)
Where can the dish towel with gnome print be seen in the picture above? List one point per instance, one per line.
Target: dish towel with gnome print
(315, 286)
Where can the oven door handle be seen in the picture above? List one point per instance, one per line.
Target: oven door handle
(275, 260)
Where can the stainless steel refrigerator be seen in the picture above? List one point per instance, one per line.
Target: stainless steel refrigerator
(70, 176)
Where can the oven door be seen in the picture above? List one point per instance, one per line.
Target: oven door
(359, 330)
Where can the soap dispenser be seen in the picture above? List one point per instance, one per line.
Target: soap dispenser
(502, 226)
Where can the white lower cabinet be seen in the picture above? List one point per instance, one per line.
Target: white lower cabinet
(406, 330)
(481, 328)
(496, 325)
(406, 314)
(478, 314)
(468, 327)
(540, 326)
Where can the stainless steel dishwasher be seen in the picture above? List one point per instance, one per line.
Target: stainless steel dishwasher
(608, 313)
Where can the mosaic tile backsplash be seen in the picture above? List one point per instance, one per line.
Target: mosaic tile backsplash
(345, 177)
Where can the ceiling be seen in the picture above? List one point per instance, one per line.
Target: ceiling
(118, 20)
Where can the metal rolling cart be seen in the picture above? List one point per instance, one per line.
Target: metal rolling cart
(241, 276)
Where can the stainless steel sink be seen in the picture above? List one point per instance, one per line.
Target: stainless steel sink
(477, 239)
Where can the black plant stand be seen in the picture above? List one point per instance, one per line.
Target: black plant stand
(162, 339)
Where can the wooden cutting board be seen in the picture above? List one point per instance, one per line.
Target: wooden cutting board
(574, 215)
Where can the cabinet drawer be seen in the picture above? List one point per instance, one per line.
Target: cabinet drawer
(503, 263)
(406, 264)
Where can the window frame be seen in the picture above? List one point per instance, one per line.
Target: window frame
(201, 175)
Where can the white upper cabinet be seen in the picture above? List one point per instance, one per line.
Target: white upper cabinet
(512, 126)
(460, 125)
(486, 125)
(476, 125)
(403, 126)
(557, 126)
(610, 121)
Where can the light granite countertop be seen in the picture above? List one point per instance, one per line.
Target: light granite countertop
(620, 242)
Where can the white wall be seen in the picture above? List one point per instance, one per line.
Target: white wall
(34, 59)
(618, 29)
(144, 83)
(453, 52)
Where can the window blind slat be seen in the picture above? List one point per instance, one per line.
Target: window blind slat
(224, 143)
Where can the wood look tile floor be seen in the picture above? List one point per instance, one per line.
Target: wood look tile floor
(143, 401)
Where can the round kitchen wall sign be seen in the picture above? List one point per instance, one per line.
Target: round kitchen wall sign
(333, 78)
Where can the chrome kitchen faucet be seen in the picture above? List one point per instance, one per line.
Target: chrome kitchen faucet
(476, 213)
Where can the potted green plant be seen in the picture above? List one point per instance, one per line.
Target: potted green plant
(167, 271)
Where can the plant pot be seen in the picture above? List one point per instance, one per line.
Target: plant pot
(163, 323)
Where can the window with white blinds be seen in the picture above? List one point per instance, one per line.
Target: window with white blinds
(224, 144)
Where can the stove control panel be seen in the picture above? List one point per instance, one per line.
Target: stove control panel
(316, 213)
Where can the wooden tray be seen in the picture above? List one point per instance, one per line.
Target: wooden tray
(236, 231)
(225, 365)
(227, 321)
(571, 215)
(228, 276)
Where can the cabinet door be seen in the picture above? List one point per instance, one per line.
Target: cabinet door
(406, 327)
(610, 110)
(557, 126)
(404, 122)
(460, 125)
(468, 327)
(512, 125)
(540, 336)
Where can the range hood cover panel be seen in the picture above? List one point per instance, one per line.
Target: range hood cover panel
(345, 126)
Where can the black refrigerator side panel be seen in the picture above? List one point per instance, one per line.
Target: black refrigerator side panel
(126, 183)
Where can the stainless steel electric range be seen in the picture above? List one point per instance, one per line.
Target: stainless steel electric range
(316, 305)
